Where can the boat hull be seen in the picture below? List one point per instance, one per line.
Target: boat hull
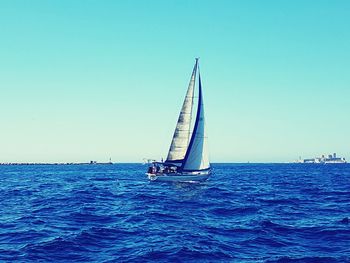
(198, 177)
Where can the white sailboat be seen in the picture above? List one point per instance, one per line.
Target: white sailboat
(187, 158)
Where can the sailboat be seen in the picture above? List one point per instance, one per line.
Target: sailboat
(187, 158)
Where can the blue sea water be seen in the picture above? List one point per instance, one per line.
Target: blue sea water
(112, 213)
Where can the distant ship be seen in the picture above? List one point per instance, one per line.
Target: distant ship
(323, 160)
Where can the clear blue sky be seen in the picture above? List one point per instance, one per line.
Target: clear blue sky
(88, 80)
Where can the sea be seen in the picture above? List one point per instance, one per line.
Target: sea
(112, 213)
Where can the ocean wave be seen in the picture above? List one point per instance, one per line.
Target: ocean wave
(244, 213)
(308, 260)
(234, 211)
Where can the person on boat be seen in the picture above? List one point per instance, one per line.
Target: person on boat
(173, 169)
(154, 169)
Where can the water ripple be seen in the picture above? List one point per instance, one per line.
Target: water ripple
(111, 213)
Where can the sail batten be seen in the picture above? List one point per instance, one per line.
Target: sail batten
(182, 131)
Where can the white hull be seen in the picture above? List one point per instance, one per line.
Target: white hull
(188, 177)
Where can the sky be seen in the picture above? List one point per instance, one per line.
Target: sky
(92, 80)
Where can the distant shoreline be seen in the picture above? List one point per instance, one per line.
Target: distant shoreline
(110, 163)
(94, 163)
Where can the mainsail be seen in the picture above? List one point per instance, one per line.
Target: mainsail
(182, 132)
(196, 157)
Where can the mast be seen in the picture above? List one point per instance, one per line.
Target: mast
(181, 137)
(196, 157)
